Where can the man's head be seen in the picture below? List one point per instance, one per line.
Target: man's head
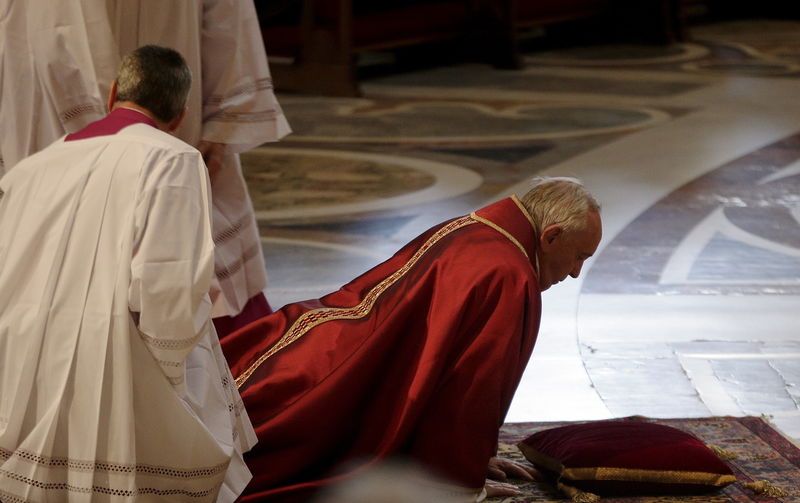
(156, 79)
(567, 220)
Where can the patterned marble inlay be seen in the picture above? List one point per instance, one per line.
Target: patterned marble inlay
(751, 68)
(772, 38)
(303, 183)
(734, 230)
(369, 121)
(620, 55)
(532, 80)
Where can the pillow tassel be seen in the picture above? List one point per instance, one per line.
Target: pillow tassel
(766, 488)
(577, 495)
(723, 454)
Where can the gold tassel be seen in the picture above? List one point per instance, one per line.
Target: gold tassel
(577, 495)
(765, 488)
(723, 454)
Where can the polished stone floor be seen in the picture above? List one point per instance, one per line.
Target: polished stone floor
(691, 307)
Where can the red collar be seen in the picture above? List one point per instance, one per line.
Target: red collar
(112, 123)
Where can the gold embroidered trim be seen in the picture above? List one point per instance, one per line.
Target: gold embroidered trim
(524, 211)
(501, 231)
(657, 476)
(105, 466)
(311, 319)
(250, 87)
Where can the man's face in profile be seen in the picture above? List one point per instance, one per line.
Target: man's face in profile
(562, 252)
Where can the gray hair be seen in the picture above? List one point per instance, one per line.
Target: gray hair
(155, 78)
(559, 201)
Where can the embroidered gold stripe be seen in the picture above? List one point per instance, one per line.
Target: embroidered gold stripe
(501, 231)
(535, 227)
(525, 212)
(657, 476)
(315, 317)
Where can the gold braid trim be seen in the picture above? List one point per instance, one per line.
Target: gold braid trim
(525, 212)
(657, 476)
(625, 474)
(501, 231)
(311, 319)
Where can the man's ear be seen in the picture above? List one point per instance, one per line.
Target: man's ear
(550, 234)
(112, 95)
(174, 123)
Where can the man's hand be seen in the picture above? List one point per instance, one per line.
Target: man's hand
(502, 468)
(494, 488)
(213, 155)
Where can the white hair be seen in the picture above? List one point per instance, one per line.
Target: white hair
(560, 201)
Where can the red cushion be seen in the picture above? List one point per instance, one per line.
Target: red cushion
(625, 458)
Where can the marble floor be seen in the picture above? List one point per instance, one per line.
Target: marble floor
(690, 306)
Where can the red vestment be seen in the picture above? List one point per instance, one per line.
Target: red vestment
(417, 358)
(255, 308)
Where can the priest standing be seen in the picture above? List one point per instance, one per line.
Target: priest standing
(58, 58)
(232, 109)
(113, 386)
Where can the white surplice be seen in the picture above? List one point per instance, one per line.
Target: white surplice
(231, 102)
(55, 55)
(49, 72)
(112, 383)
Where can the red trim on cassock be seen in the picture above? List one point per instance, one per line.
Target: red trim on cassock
(112, 123)
(427, 374)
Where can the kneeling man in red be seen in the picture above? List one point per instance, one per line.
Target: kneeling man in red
(416, 359)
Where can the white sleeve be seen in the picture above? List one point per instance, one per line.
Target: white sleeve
(239, 105)
(172, 262)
